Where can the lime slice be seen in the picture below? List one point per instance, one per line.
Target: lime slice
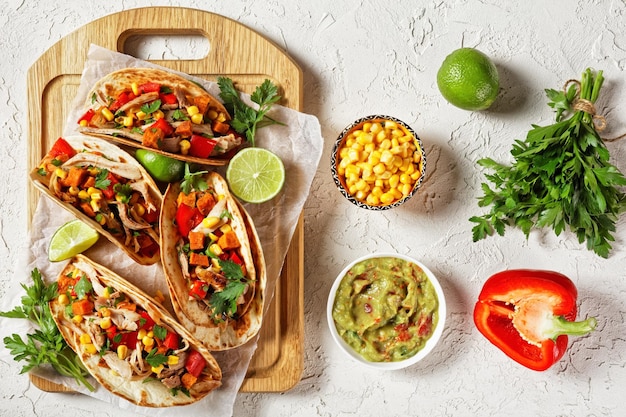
(72, 238)
(255, 175)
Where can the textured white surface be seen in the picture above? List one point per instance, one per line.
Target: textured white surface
(381, 56)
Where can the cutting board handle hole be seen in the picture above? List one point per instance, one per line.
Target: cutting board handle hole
(167, 47)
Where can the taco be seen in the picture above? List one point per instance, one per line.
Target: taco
(128, 342)
(104, 186)
(160, 111)
(213, 262)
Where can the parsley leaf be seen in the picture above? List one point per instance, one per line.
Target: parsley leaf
(245, 118)
(101, 179)
(224, 302)
(124, 191)
(150, 108)
(83, 287)
(155, 359)
(159, 332)
(193, 181)
(561, 178)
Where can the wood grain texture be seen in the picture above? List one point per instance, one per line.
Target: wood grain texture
(235, 51)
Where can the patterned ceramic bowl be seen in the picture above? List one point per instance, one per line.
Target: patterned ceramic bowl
(378, 162)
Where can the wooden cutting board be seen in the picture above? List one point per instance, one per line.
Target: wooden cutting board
(234, 51)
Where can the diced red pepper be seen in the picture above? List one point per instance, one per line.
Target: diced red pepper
(165, 127)
(108, 192)
(528, 314)
(151, 216)
(201, 147)
(187, 218)
(169, 98)
(198, 289)
(61, 147)
(150, 87)
(87, 116)
(172, 341)
(195, 363)
(146, 321)
(235, 258)
(122, 99)
(147, 245)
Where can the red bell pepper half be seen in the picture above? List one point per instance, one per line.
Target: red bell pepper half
(528, 314)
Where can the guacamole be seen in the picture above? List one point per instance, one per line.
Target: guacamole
(385, 309)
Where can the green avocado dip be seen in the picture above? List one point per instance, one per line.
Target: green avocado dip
(385, 309)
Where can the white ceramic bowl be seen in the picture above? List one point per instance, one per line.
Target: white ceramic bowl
(430, 343)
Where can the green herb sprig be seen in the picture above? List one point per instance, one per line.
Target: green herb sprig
(561, 177)
(46, 345)
(245, 118)
(224, 302)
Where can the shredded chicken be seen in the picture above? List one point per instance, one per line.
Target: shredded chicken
(138, 101)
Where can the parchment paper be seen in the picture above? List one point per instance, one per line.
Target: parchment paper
(298, 144)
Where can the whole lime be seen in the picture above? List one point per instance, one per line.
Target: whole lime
(161, 167)
(468, 79)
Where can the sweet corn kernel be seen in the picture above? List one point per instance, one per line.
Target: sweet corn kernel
(216, 264)
(106, 323)
(83, 123)
(191, 110)
(184, 146)
(90, 348)
(122, 351)
(95, 206)
(135, 88)
(150, 334)
(139, 209)
(107, 114)
(141, 333)
(104, 311)
(172, 360)
(225, 228)
(221, 117)
(63, 299)
(147, 341)
(212, 114)
(78, 319)
(59, 172)
(210, 222)
(128, 121)
(157, 369)
(85, 338)
(213, 237)
(73, 190)
(141, 115)
(215, 249)
(197, 118)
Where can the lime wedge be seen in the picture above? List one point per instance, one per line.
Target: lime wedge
(255, 175)
(71, 239)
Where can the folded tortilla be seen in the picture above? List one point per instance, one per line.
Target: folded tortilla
(97, 312)
(146, 95)
(128, 203)
(187, 265)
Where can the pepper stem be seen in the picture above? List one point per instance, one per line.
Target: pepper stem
(561, 326)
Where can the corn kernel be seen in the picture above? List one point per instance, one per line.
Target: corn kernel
(73, 190)
(215, 249)
(106, 323)
(394, 181)
(216, 264)
(150, 334)
(213, 237)
(94, 205)
(172, 360)
(135, 88)
(191, 110)
(139, 209)
(59, 172)
(210, 222)
(221, 117)
(386, 198)
(128, 121)
(63, 299)
(147, 341)
(184, 146)
(78, 319)
(122, 351)
(225, 228)
(157, 369)
(104, 311)
(141, 115)
(107, 114)
(212, 114)
(83, 123)
(141, 333)
(90, 348)
(197, 119)
(85, 338)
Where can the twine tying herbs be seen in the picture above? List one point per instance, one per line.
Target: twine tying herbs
(587, 106)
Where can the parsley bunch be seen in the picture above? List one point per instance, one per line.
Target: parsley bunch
(245, 118)
(46, 345)
(560, 177)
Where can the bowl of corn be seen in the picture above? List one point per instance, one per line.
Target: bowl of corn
(378, 162)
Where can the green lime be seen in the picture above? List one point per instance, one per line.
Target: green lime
(468, 79)
(161, 167)
(255, 175)
(72, 238)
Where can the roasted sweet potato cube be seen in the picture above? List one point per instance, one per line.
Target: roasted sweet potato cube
(206, 203)
(198, 259)
(75, 177)
(187, 199)
(196, 240)
(188, 380)
(184, 129)
(228, 241)
(153, 137)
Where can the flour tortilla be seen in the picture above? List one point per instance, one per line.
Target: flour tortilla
(133, 389)
(123, 161)
(111, 85)
(191, 313)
